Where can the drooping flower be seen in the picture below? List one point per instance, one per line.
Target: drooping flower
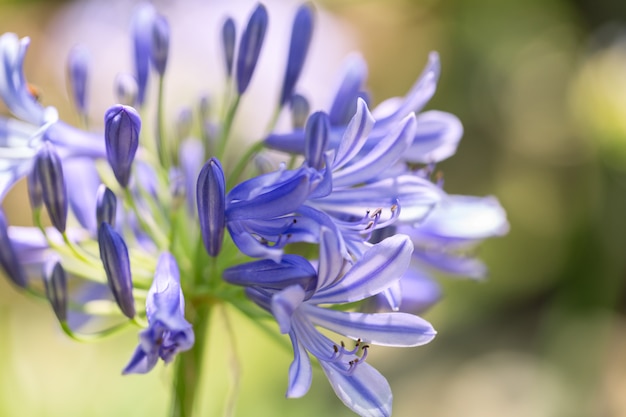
(168, 332)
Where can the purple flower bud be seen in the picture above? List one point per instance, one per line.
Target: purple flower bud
(250, 47)
(301, 32)
(114, 256)
(77, 69)
(211, 201)
(126, 89)
(316, 138)
(35, 194)
(56, 288)
(229, 35)
(300, 110)
(49, 171)
(160, 43)
(121, 134)
(8, 256)
(106, 205)
(142, 44)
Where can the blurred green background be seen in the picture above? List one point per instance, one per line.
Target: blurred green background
(540, 86)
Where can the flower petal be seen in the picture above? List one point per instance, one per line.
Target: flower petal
(365, 391)
(300, 370)
(380, 157)
(385, 329)
(355, 135)
(284, 304)
(381, 265)
(436, 137)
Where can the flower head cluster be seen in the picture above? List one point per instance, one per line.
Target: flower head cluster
(143, 218)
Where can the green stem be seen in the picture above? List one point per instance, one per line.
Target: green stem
(226, 126)
(161, 140)
(189, 366)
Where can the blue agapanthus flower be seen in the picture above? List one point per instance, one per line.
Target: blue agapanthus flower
(301, 298)
(154, 228)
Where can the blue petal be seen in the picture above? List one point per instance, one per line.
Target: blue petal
(284, 304)
(300, 370)
(381, 265)
(385, 329)
(292, 270)
(355, 74)
(452, 263)
(140, 363)
(292, 142)
(331, 261)
(316, 139)
(279, 200)
(354, 136)
(436, 138)
(422, 91)
(14, 89)
(383, 155)
(365, 391)
(460, 219)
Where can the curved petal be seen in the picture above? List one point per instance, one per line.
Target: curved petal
(436, 138)
(291, 270)
(300, 370)
(381, 265)
(355, 135)
(277, 201)
(422, 91)
(365, 391)
(463, 218)
(354, 76)
(385, 329)
(381, 156)
(13, 85)
(284, 304)
(330, 260)
(292, 142)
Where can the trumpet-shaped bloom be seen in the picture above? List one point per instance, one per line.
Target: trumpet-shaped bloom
(168, 332)
(434, 139)
(298, 296)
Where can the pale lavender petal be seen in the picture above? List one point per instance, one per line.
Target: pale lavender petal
(464, 218)
(365, 391)
(354, 136)
(417, 97)
(380, 266)
(330, 260)
(284, 304)
(385, 329)
(436, 138)
(300, 370)
(383, 155)
(452, 263)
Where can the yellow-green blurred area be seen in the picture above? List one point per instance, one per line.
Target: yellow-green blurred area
(540, 86)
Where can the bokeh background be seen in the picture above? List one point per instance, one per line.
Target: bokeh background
(540, 86)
